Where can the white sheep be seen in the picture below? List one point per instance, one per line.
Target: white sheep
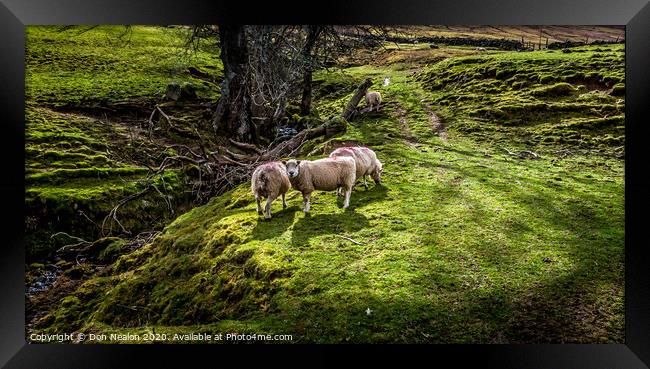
(323, 174)
(366, 162)
(373, 99)
(480, 49)
(269, 181)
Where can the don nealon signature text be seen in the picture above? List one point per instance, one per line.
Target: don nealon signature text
(130, 337)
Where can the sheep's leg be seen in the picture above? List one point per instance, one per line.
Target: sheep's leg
(284, 202)
(259, 206)
(348, 191)
(267, 209)
(365, 184)
(305, 201)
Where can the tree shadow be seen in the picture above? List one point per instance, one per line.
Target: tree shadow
(361, 196)
(348, 221)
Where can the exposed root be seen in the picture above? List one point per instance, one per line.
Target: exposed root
(246, 146)
(525, 154)
(80, 242)
(112, 215)
(349, 239)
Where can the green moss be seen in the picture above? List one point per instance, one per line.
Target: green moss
(65, 67)
(59, 176)
(334, 84)
(618, 90)
(545, 79)
(558, 89)
(111, 248)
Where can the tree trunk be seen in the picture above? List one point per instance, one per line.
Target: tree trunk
(233, 113)
(305, 103)
(351, 108)
(312, 36)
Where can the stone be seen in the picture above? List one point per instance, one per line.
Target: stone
(173, 91)
(188, 91)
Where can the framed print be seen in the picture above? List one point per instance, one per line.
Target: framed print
(452, 179)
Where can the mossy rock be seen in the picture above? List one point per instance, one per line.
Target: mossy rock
(111, 248)
(618, 90)
(188, 91)
(335, 125)
(173, 91)
(556, 90)
(36, 266)
(546, 79)
(78, 272)
(504, 74)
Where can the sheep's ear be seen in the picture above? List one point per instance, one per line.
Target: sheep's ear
(298, 162)
(284, 162)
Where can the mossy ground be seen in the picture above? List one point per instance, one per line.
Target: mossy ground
(112, 63)
(461, 243)
(83, 156)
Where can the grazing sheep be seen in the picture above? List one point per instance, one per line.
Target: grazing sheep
(269, 181)
(324, 174)
(366, 162)
(480, 49)
(386, 81)
(373, 99)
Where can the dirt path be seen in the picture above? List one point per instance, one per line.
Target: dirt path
(436, 123)
(405, 130)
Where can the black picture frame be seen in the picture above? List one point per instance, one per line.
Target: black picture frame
(634, 14)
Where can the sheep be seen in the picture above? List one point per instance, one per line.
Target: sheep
(373, 99)
(366, 162)
(270, 180)
(480, 49)
(323, 174)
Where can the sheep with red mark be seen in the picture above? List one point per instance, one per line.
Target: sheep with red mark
(365, 160)
(269, 181)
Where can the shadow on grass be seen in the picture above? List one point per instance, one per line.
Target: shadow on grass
(582, 304)
(360, 196)
(309, 226)
(280, 221)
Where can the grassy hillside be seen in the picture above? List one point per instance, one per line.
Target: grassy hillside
(463, 242)
(574, 100)
(89, 93)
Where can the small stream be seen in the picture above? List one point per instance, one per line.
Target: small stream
(44, 281)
